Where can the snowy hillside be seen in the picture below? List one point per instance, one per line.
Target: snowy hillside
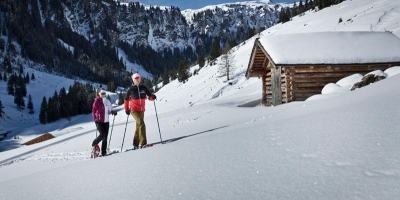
(220, 144)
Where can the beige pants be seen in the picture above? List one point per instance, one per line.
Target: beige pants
(140, 132)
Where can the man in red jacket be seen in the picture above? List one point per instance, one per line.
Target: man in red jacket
(134, 105)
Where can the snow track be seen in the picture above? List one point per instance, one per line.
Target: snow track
(50, 157)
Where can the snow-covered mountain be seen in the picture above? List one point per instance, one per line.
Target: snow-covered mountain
(197, 4)
(221, 144)
(169, 28)
(85, 39)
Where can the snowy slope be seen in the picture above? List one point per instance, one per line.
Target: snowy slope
(341, 148)
(222, 145)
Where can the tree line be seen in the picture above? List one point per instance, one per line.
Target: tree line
(300, 8)
(16, 86)
(77, 101)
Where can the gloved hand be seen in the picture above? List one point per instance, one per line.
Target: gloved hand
(154, 96)
(113, 112)
(128, 112)
(96, 121)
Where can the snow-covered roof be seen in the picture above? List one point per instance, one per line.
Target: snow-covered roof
(332, 47)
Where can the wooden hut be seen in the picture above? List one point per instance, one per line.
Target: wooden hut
(294, 67)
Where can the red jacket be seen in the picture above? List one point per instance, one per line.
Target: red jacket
(136, 98)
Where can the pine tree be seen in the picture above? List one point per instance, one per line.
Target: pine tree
(18, 98)
(321, 4)
(111, 86)
(156, 80)
(30, 105)
(4, 30)
(5, 76)
(281, 15)
(21, 69)
(64, 104)
(174, 74)
(1, 109)
(26, 78)
(7, 64)
(53, 108)
(312, 4)
(43, 111)
(201, 60)
(21, 84)
(294, 9)
(73, 100)
(301, 7)
(10, 85)
(306, 6)
(56, 106)
(50, 111)
(88, 98)
(165, 78)
(120, 99)
(183, 73)
(215, 50)
(33, 76)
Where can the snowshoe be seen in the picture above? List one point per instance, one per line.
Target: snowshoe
(95, 151)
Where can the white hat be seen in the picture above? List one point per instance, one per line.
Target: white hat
(135, 76)
(102, 92)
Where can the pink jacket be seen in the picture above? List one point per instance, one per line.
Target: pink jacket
(98, 112)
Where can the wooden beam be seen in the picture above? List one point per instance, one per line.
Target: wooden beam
(276, 86)
(311, 84)
(321, 75)
(336, 68)
(264, 61)
(264, 92)
(307, 90)
(256, 73)
(252, 58)
(321, 79)
(390, 64)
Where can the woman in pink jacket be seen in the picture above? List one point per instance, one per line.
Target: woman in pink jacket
(100, 112)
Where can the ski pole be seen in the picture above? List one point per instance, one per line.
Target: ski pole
(158, 122)
(112, 126)
(122, 145)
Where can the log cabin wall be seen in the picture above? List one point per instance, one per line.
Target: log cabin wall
(274, 86)
(267, 90)
(287, 84)
(264, 97)
(276, 83)
(304, 81)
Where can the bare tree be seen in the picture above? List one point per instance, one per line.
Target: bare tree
(227, 64)
(258, 27)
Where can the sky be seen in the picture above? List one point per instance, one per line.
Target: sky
(197, 4)
(220, 143)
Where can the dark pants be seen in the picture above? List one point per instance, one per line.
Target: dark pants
(103, 130)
